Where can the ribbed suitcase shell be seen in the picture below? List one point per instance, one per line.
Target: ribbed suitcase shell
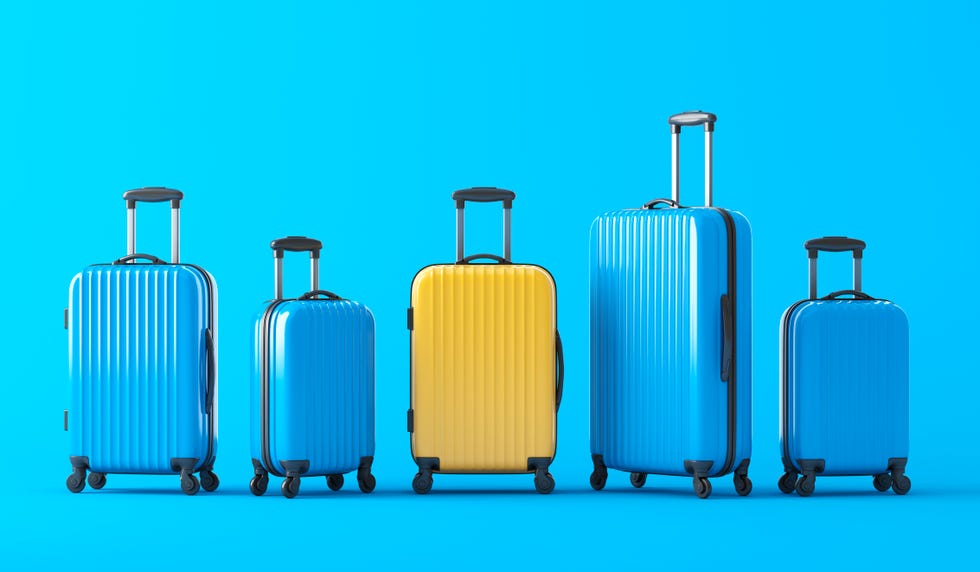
(845, 385)
(138, 367)
(483, 366)
(657, 277)
(321, 384)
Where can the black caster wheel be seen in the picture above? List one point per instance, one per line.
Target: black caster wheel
(787, 483)
(805, 486)
(258, 485)
(335, 482)
(366, 483)
(76, 481)
(290, 487)
(882, 482)
(96, 480)
(189, 484)
(544, 483)
(598, 478)
(422, 483)
(209, 480)
(743, 485)
(702, 487)
(901, 484)
(638, 479)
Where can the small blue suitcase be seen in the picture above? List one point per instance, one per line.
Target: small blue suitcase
(844, 403)
(671, 337)
(312, 384)
(142, 364)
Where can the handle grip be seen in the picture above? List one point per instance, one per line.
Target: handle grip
(484, 195)
(296, 244)
(153, 195)
(692, 118)
(472, 257)
(133, 257)
(858, 295)
(834, 244)
(312, 294)
(560, 370)
(212, 371)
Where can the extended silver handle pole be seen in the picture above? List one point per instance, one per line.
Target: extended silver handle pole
(675, 157)
(708, 132)
(507, 234)
(813, 278)
(174, 235)
(278, 278)
(857, 274)
(314, 273)
(460, 219)
(130, 231)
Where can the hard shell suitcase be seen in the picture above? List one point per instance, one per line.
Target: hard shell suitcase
(312, 384)
(671, 337)
(142, 360)
(486, 362)
(844, 403)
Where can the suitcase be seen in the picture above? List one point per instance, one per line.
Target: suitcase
(142, 356)
(671, 307)
(844, 403)
(486, 362)
(312, 384)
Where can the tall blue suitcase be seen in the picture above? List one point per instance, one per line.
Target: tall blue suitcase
(142, 364)
(671, 337)
(312, 384)
(844, 403)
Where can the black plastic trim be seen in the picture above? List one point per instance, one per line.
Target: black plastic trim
(153, 195)
(296, 244)
(295, 468)
(327, 294)
(494, 257)
(700, 468)
(411, 318)
(834, 244)
(66, 318)
(66, 419)
(733, 373)
(411, 420)
(858, 295)
(484, 195)
(138, 256)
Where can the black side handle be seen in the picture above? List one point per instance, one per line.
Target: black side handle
(472, 257)
(858, 295)
(152, 259)
(209, 392)
(560, 370)
(834, 244)
(312, 294)
(153, 195)
(691, 118)
(653, 204)
(296, 244)
(728, 332)
(484, 195)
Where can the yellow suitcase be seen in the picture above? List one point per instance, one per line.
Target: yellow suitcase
(486, 362)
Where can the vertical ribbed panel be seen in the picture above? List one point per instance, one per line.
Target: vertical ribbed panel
(321, 375)
(848, 384)
(657, 277)
(137, 366)
(483, 366)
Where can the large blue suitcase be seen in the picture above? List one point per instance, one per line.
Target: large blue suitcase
(312, 384)
(142, 364)
(671, 337)
(844, 404)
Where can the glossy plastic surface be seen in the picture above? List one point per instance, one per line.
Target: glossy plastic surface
(483, 366)
(847, 386)
(657, 277)
(321, 385)
(138, 366)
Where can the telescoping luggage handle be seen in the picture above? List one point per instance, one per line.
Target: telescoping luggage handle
(152, 195)
(836, 244)
(482, 195)
(299, 244)
(677, 121)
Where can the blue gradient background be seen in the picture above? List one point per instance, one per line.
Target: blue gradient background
(353, 123)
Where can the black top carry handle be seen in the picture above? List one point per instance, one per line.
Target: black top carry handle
(297, 244)
(153, 195)
(836, 244)
(484, 195)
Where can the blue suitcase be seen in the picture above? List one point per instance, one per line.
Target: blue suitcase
(844, 403)
(312, 384)
(671, 337)
(142, 364)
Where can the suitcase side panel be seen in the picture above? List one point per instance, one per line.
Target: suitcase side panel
(657, 277)
(848, 385)
(743, 417)
(138, 366)
(322, 384)
(483, 366)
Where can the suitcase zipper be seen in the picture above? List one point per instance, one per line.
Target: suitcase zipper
(733, 317)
